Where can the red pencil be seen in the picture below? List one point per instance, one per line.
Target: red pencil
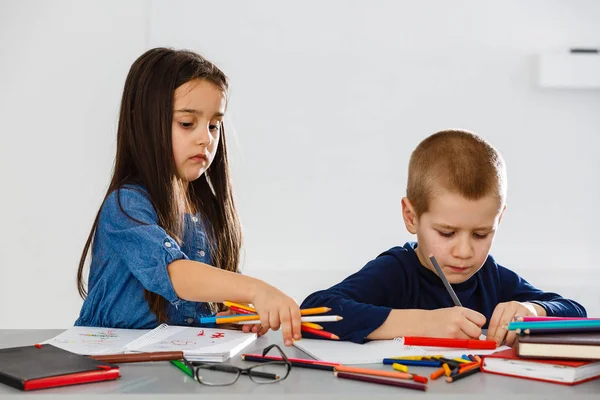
(381, 381)
(292, 359)
(319, 332)
(241, 310)
(447, 342)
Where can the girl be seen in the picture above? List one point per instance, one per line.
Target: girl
(165, 244)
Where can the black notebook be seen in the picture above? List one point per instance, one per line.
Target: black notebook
(44, 366)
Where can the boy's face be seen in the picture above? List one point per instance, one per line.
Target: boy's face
(457, 231)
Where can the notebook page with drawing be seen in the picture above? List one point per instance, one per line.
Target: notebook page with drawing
(198, 344)
(375, 351)
(88, 341)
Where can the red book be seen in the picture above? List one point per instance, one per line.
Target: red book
(45, 366)
(555, 371)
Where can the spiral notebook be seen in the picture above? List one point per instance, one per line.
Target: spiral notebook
(197, 344)
(375, 351)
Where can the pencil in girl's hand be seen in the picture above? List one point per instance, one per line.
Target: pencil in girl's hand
(306, 311)
(312, 325)
(321, 333)
(445, 281)
(253, 321)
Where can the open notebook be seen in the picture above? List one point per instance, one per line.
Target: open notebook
(197, 344)
(375, 351)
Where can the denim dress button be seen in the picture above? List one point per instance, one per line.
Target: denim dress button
(167, 244)
(190, 320)
(202, 253)
(195, 219)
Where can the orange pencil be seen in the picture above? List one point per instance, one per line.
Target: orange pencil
(470, 367)
(306, 311)
(437, 373)
(373, 372)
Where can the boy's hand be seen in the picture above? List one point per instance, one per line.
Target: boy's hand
(277, 310)
(455, 322)
(503, 314)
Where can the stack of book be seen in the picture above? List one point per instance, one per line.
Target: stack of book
(558, 350)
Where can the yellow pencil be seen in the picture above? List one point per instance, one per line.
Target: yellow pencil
(306, 311)
(312, 325)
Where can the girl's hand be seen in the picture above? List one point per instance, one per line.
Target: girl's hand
(244, 328)
(454, 322)
(276, 310)
(505, 313)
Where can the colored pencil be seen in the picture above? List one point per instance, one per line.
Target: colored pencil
(312, 325)
(414, 363)
(399, 367)
(297, 360)
(530, 331)
(373, 372)
(445, 281)
(468, 368)
(463, 375)
(306, 311)
(381, 381)
(241, 311)
(182, 367)
(321, 333)
(244, 321)
(139, 357)
(448, 342)
(439, 372)
(323, 367)
(555, 324)
(541, 319)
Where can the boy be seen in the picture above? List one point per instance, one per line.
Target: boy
(455, 199)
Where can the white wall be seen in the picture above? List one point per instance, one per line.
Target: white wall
(328, 100)
(63, 65)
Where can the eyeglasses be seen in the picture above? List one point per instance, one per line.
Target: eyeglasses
(223, 374)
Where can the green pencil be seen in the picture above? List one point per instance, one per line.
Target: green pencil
(182, 367)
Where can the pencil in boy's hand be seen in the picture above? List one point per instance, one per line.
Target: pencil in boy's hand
(445, 281)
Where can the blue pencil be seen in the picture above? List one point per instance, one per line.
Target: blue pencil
(416, 363)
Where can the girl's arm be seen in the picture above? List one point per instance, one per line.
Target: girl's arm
(199, 282)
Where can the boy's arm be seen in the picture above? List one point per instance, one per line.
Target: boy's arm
(364, 299)
(515, 288)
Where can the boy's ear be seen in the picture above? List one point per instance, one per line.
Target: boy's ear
(409, 216)
(501, 214)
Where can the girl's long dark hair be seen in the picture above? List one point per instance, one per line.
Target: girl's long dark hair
(145, 157)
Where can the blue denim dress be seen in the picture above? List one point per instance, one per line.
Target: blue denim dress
(129, 256)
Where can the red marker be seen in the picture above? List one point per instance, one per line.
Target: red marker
(447, 342)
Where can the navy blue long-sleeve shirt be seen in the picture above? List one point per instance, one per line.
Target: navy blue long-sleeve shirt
(397, 280)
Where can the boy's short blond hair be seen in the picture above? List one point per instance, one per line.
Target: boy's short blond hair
(457, 161)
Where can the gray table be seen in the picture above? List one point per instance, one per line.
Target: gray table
(161, 379)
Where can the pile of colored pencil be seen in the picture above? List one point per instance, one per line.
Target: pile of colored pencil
(246, 315)
(454, 369)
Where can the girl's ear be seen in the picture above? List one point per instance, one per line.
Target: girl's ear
(409, 216)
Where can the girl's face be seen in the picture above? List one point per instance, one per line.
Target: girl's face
(199, 106)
